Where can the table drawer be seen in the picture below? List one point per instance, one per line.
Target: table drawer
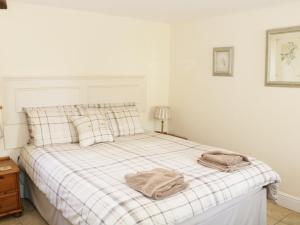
(9, 202)
(8, 183)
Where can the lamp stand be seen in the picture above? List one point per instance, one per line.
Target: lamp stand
(162, 126)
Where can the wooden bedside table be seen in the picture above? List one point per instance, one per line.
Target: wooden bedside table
(174, 135)
(10, 202)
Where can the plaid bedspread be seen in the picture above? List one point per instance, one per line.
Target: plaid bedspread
(88, 184)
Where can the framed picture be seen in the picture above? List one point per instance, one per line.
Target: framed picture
(3, 4)
(223, 61)
(283, 57)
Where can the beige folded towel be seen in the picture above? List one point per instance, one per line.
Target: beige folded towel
(224, 161)
(157, 183)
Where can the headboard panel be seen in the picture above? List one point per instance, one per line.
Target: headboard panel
(52, 91)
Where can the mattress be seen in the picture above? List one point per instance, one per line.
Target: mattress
(87, 184)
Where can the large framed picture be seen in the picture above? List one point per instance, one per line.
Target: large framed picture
(223, 61)
(283, 57)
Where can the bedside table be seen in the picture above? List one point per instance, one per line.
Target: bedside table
(10, 202)
(174, 135)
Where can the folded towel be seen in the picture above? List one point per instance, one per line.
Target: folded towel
(224, 161)
(225, 158)
(157, 183)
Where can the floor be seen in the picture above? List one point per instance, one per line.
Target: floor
(276, 216)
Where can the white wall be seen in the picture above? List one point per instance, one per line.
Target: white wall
(46, 41)
(237, 113)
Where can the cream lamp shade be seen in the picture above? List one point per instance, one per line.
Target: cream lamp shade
(162, 113)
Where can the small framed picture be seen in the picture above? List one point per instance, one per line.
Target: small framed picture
(283, 57)
(223, 61)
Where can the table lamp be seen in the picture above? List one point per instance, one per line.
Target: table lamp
(162, 113)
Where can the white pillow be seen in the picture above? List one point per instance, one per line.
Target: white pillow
(127, 120)
(123, 118)
(87, 111)
(51, 125)
(92, 129)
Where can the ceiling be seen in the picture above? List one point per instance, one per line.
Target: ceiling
(162, 10)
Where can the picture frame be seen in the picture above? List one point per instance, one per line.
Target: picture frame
(283, 57)
(3, 4)
(223, 61)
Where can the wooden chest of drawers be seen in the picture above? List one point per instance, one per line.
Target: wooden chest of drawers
(10, 202)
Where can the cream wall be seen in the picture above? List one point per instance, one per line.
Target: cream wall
(237, 113)
(46, 41)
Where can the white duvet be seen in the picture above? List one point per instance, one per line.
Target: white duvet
(88, 186)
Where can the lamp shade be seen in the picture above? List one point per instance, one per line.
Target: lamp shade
(162, 113)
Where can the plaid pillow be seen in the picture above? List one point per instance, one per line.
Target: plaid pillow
(88, 111)
(51, 125)
(123, 118)
(127, 120)
(92, 129)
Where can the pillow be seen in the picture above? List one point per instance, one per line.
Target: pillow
(126, 119)
(112, 123)
(51, 125)
(123, 118)
(92, 129)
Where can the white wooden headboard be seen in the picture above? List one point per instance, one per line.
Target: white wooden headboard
(52, 91)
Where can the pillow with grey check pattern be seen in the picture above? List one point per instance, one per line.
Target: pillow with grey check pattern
(123, 118)
(51, 125)
(127, 120)
(92, 129)
(112, 123)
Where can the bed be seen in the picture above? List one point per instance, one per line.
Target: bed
(70, 184)
(73, 185)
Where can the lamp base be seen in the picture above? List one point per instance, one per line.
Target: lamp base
(161, 132)
(162, 126)
(174, 135)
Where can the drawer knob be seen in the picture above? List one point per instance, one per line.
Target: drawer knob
(1, 177)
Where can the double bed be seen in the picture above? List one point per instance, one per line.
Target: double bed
(87, 186)
(71, 184)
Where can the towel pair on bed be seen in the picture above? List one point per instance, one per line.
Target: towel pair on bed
(160, 183)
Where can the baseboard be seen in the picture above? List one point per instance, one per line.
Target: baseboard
(289, 201)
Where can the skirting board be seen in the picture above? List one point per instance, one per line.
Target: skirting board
(289, 201)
